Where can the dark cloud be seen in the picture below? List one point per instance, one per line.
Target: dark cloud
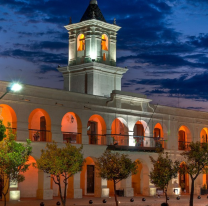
(36, 56)
(190, 87)
(199, 41)
(51, 45)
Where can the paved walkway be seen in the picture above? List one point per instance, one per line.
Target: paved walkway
(124, 201)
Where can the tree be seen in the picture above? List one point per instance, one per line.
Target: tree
(164, 169)
(61, 162)
(13, 160)
(2, 131)
(195, 163)
(115, 167)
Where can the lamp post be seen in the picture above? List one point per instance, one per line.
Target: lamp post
(15, 87)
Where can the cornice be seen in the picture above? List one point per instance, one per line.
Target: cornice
(93, 22)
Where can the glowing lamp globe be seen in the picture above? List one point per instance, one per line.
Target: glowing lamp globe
(16, 87)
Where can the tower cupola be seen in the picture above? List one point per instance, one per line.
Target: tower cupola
(92, 55)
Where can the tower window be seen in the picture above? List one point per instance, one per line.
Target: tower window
(81, 42)
(104, 42)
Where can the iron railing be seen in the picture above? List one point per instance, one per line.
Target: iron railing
(97, 139)
(39, 135)
(71, 137)
(182, 145)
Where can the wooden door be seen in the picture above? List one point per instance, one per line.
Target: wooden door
(90, 179)
(42, 128)
(139, 133)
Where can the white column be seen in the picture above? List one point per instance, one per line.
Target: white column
(74, 190)
(85, 137)
(109, 139)
(127, 186)
(14, 193)
(131, 139)
(44, 191)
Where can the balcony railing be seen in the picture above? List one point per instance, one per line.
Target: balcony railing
(139, 141)
(97, 139)
(39, 135)
(71, 137)
(182, 145)
(121, 140)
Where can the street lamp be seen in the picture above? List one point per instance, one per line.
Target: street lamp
(15, 87)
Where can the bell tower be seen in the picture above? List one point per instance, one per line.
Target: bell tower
(92, 55)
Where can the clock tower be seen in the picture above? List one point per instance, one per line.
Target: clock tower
(92, 55)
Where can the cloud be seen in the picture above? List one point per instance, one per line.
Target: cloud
(47, 68)
(51, 45)
(191, 87)
(36, 56)
(199, 41)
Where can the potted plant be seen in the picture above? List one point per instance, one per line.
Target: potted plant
(36, 136)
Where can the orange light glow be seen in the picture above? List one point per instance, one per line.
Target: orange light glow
(81, 42)
(71, 127)
(40, 122)
(97, 128)
(119, 131)
(203, 135)
(8, 115)
(104, 42)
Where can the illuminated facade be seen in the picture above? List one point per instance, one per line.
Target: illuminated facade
(93, 111)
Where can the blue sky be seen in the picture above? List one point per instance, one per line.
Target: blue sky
(164, 44)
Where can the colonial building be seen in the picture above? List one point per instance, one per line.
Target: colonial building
(93, 111)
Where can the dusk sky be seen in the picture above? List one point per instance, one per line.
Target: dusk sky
(164, 44)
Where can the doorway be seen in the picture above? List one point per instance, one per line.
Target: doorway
(90, 179)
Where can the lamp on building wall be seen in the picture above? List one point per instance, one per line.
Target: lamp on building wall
(15, 87)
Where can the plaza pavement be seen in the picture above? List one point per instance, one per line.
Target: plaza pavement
(150, 201)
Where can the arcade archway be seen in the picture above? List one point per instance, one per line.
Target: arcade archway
(96, 130)
(39, 126)
(184, 138)
(8, 116)
(71, 128)
(119, 132)
(28, 188)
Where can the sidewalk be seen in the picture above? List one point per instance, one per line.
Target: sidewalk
(124, 201)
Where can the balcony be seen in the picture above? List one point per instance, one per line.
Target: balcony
(39, 135)
(71, 137)
(142, 143)
(97, 139)
(182, 145)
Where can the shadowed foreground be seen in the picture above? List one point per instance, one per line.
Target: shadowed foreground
(124, 201)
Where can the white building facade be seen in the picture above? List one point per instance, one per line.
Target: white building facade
(93, 111)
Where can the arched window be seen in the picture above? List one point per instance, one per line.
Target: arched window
(104, 42)
(81, 42)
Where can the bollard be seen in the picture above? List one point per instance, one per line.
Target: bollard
(132, 200)
(143, 199)
(58, 203)
(90, 202)
(104, 201)
(168, 198)
(42, 204)
(178, 198)
(199, 197)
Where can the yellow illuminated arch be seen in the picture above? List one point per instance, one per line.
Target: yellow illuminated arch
(81, 42)
(104, 42)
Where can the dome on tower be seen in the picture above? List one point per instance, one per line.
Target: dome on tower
(93, 12)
